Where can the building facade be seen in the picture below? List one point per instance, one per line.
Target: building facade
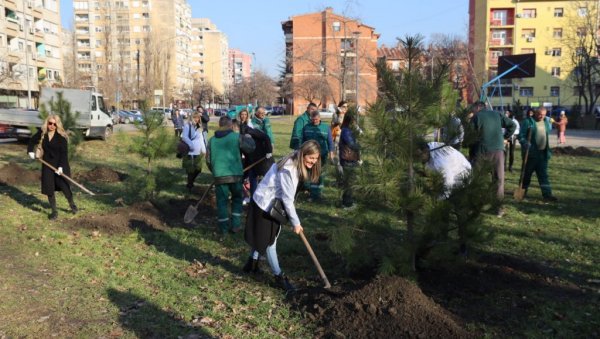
(547, 28)
(329, 58)
(210, 56)
(240, 66)
(30, 50)
(131, 50)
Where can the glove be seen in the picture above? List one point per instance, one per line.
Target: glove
(269, 155)
(59, 171)
(360, 162)
(31, 155)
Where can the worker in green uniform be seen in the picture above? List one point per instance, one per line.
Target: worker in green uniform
(299, 124)
(321, 133)
(539, 151)
(224, 159)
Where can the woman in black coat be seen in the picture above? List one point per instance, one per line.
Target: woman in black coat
(54, 142)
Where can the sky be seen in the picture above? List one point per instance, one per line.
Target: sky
(254, 26)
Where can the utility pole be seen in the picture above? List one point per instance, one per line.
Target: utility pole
(137, 59)
(357, 70)
(25, 31)
(254, 80)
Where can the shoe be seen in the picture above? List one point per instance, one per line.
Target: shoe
(500, 212)
(246, 201)
(550, 198)
(283, 281)
(74, 209)
(53, 215)
(349, 208)
(236, 230)
(462, 250)
(252, 266)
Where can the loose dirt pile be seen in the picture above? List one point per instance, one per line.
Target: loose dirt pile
(580, 151)
(13, 174)
(100, 174)
(143, 216)
(387, 307)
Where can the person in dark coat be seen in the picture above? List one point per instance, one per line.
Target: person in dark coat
(54, 141)
(177, 122)
(263, 149)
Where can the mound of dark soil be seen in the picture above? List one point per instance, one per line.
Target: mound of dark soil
(100, 174)
(13, 174)
(580, 151)
(387, 307)
(143, 216)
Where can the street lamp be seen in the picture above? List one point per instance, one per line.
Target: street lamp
(160, 43)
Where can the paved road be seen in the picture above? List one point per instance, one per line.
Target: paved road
(575, 138)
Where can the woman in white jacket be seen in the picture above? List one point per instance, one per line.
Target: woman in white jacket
(280, 182)
(193, 137)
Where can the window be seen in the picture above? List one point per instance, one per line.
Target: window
(526, 91)
(581, 32)
(557, 33)
(528, 33)
(556, 51)
(347, 44)
(582, 11)
(529, 13)
(555, 71)
(558, 12)
(554, 91)
(336, 26)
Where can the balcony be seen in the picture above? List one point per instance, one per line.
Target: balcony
(501, 42)
(502, 22)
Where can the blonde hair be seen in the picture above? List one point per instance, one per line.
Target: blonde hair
(59, 126)
(309, 147)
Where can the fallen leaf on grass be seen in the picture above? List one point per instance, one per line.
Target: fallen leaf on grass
(42, 319)
(95, 234)
(196, 269)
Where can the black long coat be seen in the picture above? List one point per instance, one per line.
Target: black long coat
(56, 154)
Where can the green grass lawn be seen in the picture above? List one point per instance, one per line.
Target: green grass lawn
(59, 281)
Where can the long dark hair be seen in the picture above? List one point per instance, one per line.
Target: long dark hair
(349, 120)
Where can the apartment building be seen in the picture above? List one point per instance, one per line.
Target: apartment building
(240, 65)
(30, 55)
(329, 58)
(454, 54)
(132, 50)
(547, 28)
(210, 56)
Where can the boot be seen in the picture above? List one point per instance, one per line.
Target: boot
(283, 281)
(52, 201)
(74, 208)
(252, 266)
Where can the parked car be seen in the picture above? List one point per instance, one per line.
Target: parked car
(165, 110)
(186, 112)
(127, 117)
(278, 110)
(219, 112)
(326, 114)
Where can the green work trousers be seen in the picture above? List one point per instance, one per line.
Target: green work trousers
(223, 191)
(538, 164)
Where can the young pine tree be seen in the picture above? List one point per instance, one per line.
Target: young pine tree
(394, 181)
(154, 142)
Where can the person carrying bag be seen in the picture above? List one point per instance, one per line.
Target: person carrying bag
(273, 204)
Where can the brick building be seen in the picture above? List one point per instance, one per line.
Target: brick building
(323, 52)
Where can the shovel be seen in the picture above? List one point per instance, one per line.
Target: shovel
(315, 261)
(66, 177)
(192, 211)
(520, 192)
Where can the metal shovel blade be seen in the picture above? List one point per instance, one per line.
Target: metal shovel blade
(519, 194)
(190, 214)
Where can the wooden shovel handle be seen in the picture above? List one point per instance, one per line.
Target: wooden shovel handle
(315, 260)
(66, 177)
(525, 159)
(211, 185)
